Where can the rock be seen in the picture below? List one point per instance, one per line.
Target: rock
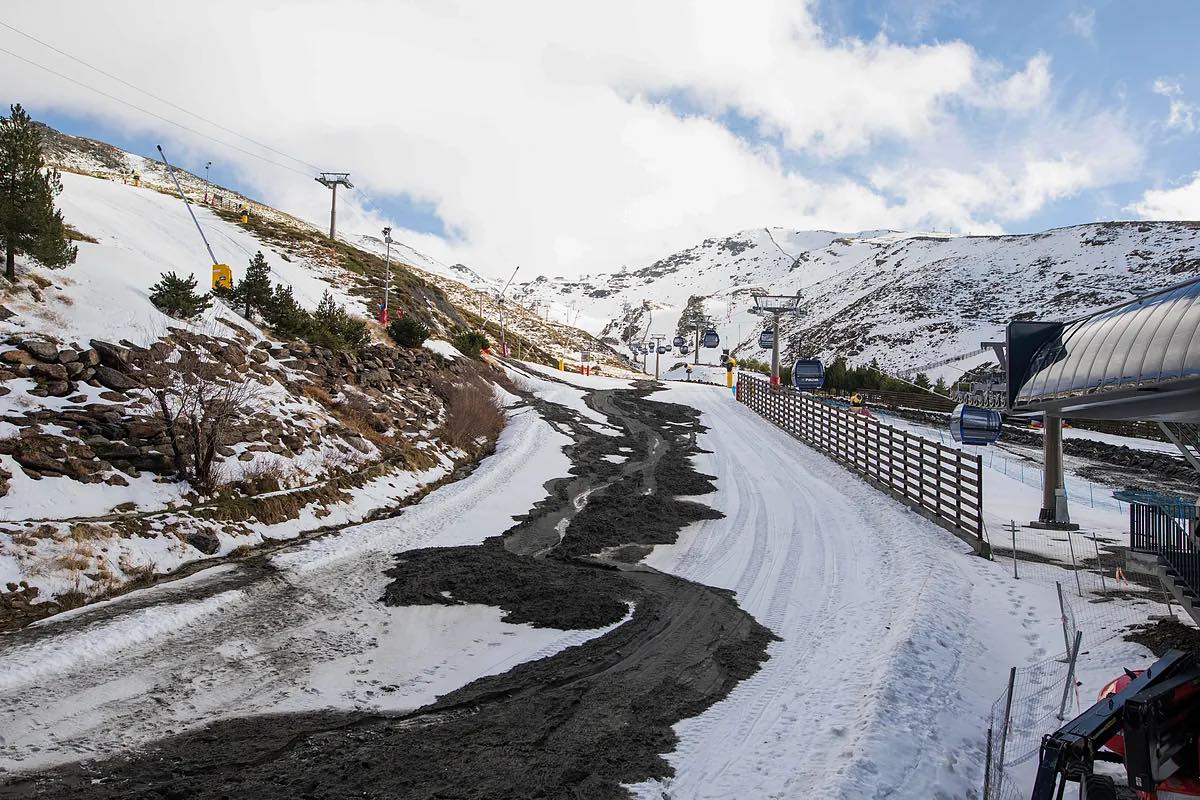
(115, 397)
(117, 480)
(75, 368)
(49, 372)
(41, 350)
(17, 357)
(90, 357)
(67, 356)
(117, 381)
(110, 355)
(77, 398)
(59, 388)
(247, 456)
(5, 313)
(207, 542)
(125, 507)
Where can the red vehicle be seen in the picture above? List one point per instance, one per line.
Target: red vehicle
(1148, 721)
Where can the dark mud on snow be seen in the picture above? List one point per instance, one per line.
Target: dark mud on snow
(577, 724)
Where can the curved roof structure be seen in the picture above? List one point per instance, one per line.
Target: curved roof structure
(1138, 360)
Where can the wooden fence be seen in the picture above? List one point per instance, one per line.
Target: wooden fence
(941, 483)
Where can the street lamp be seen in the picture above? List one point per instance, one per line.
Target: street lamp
(387, 280)
(207, 183)
(776, 305)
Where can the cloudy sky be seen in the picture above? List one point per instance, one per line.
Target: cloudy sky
(571, 137)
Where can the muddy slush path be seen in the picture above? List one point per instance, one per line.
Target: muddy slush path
(578, 724)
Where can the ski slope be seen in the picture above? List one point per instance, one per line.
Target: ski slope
(894, 639)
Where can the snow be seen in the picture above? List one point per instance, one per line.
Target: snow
(576, 379)
(894, 640)
(442, 348)
(309, 634)
(908, 299)
(142, 233)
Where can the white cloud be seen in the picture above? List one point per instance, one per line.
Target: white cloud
(551, 134)
(1181, 114)
(1083, 23)
(1182, 202)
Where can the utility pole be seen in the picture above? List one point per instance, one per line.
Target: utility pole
(503, 343)
(387, 280)
(658, 339)
(332, 180)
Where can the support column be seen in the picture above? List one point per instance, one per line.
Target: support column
(1054, 514)
(775, 352)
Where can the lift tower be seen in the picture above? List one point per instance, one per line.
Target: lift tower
(332, 180)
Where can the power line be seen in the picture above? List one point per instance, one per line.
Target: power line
(152, 114)
(163, 100)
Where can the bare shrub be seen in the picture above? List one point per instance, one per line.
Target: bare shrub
(199, 404)
(474, 418)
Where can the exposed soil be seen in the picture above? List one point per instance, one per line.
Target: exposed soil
(1164, 635)
(578, 724)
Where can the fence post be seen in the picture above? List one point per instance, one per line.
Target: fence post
(1062, 707)
(1012, 680)
(1099, 566)
(1074, 566)
(1012, 527)
(987, 766)
(1062, 610)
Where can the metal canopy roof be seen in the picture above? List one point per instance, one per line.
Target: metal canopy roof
(1138, 360)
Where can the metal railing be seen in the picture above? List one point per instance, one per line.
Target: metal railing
(943, 483)
(1170, 532)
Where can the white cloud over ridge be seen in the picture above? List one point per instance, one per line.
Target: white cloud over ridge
(1179, 203)
(539, 133)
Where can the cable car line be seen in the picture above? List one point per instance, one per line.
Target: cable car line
(163, 100)
(148, 112)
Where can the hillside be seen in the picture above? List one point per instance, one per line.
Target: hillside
(907, 299)
(305, 437)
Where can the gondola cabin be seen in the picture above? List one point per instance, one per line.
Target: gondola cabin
(711, 339)
(678, 341)
(975, 425)
(684, 349)
(663, 349)
(808, 374)
(766, 339)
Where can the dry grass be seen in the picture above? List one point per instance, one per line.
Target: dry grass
(474, 418)
(83, 532)
(362, 421)
(318, 393)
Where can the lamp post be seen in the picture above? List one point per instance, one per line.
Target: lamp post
(207, 183)
(387, 280)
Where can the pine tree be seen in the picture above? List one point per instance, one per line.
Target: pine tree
(334, 328)
(940, 387)
(177, 296)
(285, 316)
(253, 292)
(29, 222)
(922, 380)
(408, 332)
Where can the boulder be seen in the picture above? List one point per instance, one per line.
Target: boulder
(67, 356)
(110, 355)
(49, 372)
(17, 357)
(207, 542)
(41, 350)
(90, 357)
(112, 379)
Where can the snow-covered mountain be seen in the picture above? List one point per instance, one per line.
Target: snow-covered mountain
(908, 299)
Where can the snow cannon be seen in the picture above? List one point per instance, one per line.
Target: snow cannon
(808, 374)
(974, 425)
(711, 339)
(766, 339)
(679, 342)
